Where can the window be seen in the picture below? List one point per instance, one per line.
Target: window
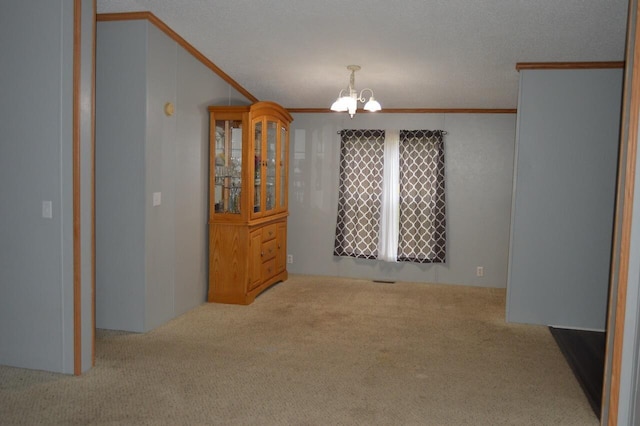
(420, 222)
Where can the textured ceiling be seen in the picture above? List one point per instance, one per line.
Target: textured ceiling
(413, 53)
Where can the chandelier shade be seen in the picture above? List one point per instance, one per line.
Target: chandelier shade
(348, 99)
(372, 105)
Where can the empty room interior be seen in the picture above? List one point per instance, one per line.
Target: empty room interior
(303, 212)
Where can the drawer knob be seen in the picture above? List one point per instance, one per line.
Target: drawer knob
(262, 254)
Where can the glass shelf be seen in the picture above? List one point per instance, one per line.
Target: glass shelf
(228, 167)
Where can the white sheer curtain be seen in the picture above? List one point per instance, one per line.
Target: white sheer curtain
(390, 209)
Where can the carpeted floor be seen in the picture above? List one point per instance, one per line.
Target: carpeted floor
(317, 351)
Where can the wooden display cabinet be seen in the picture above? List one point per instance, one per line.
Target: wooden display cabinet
(248, 206)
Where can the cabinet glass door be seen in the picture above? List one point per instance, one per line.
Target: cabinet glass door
(228, 167)
(284, 146)
(272, 135)
(257, 167)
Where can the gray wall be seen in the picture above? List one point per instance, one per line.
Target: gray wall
(120, 175)
(36, 254)
(479, 151)
(197, 88)
(159, 176)
(151, 260)
(564, 190)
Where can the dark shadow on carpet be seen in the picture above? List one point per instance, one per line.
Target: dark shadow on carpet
(584, 351)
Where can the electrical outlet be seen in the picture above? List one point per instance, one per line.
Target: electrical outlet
(289, 258)
(480, 271)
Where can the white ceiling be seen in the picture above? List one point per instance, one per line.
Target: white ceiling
(413, 53)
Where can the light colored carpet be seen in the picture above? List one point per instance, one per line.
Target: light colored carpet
(317, 351)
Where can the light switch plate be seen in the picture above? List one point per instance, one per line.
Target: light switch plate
(157, 198)
(47, 209)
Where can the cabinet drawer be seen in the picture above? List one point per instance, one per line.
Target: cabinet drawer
(268, 269)
(268, 250)
(269, 232)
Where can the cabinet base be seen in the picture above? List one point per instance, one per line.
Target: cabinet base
(247, 298)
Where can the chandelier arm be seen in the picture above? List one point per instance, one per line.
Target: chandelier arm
(361, 98)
